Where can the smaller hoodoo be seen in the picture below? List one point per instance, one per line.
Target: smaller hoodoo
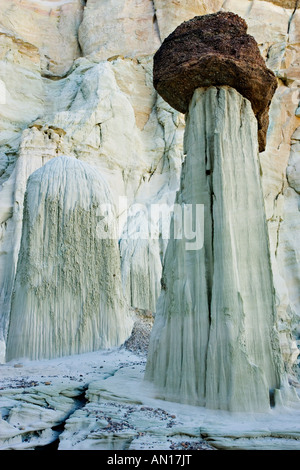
(68, 296)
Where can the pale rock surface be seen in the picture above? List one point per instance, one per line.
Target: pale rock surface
(50, 26)
(34, 152)
(136, 142)
(20, 74)
(293, 168)
(30, 412)
(171, 14)
(101, 119)
(126, 28)
(275, 26)
(91, 114)
(67, 295)
(285, 3)
(288, 243)
(100, 401)
(140, 260)
(134, 78)
(25, 46)
(21, 78)
(256, 13)
(214, 341)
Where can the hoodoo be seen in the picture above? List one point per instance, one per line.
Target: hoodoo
(214, 341)
(67, 295)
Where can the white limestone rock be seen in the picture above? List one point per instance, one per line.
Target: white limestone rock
(68, 294)
(101, 122)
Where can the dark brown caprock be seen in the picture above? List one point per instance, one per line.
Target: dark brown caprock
(214, 50)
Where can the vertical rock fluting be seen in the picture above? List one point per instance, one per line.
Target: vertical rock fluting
(67, 295)
(214, 340)
(213, 50)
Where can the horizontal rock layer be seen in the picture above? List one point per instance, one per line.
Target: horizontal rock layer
(214, 341)
(108, 114)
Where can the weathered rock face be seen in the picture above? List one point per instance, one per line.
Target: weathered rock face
(171, 14)
(214, 50)
(214, 341)
(77, 405)
(68, 294)
(64, 97)
(285, 3)
(140, 262)
(66, 93)
(120, 28)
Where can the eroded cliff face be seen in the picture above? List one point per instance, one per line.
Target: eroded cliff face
(78, 82)
(67, 297)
